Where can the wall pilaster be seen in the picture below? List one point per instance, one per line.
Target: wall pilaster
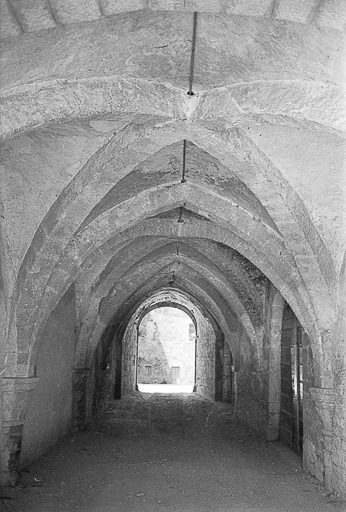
(81, 397)
(324, 401)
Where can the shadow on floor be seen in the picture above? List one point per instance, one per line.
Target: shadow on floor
(178, 453)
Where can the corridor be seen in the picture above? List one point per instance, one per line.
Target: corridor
(184, 154)
(160, 452)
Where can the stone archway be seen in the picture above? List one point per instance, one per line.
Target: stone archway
(166, 341)
(211, 369)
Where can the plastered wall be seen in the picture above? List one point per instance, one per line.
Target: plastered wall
(49, 413)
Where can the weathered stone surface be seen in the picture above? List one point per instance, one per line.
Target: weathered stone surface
(309, 167)
(331, 14)
(295, 10)
(296, 103)
(337, 449)
(15, 397)
(9, 26)
(96, 120)
(327, 13)
(49, 413)
(35, 168)
(72, 11)
(33, 13)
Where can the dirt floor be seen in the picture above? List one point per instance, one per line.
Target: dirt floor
(179, 453)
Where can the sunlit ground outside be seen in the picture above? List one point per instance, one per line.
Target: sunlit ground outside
(164, 388)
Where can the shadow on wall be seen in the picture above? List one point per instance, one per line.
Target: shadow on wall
(166, 348)
(49, 413)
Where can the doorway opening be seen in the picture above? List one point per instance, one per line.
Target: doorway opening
(166, 361)
(292, 381)
(210, 357)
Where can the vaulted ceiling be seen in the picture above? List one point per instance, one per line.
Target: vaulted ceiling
(117, 181)
(21, 16)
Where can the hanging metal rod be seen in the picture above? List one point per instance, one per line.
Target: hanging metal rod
(183, 180)
(193, 48)
(190, 91)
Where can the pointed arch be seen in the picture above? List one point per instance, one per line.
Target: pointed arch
(63, 242)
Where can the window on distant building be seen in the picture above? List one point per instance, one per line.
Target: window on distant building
(147, 370)
(175, 372)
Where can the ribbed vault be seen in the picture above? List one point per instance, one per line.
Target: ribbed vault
(98, 211)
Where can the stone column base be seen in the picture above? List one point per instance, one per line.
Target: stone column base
(324, 399)
(15, 396)
(81, 397)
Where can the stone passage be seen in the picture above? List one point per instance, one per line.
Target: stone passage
(178, 453)
(173, 153)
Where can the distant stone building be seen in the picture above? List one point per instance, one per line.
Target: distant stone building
(166, 348)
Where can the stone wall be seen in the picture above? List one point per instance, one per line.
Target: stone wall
(49, 413)
(129, 356)
(338, 447)
(251, 400)
(104, 373)
(94, 387)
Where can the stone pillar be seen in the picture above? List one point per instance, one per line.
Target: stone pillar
(227, 374)
(234, 375)
(274, 364)
(15, 397)
(324, 400)
(82, 396)
(274, 389)
(2, 375)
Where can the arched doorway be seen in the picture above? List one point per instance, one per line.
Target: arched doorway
(208, 371)
(295, 380)
(166, 352)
